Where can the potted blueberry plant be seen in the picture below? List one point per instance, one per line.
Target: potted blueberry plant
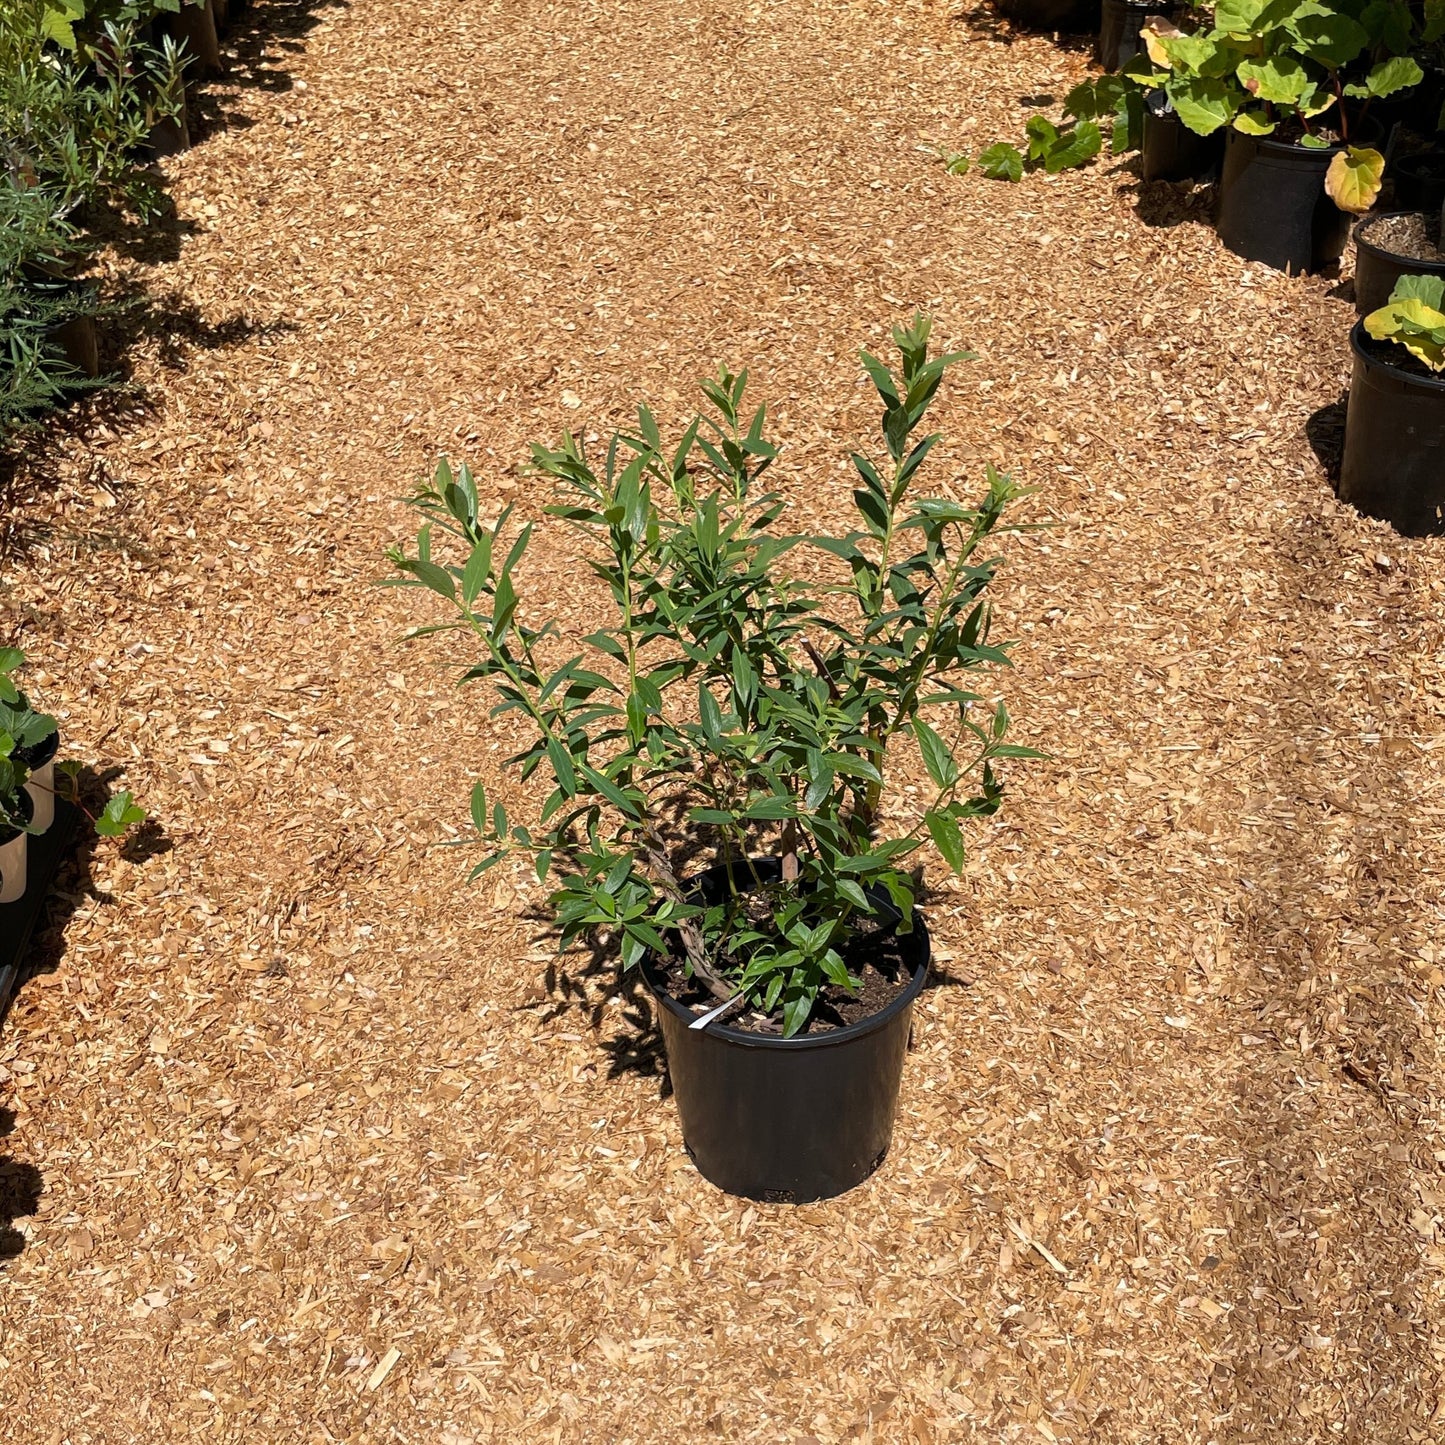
(724, 754)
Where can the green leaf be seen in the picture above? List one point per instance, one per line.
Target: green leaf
(1001, 162)
(1279, 79)
(479, 808)
(1399, 72)
(1429, 289)
(1202, 104)
(712, 723)
(947, 838)
(1074, 147)
(120, 813)
(937, 756)
(477, 570)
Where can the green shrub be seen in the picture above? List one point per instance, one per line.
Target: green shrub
(731, 703)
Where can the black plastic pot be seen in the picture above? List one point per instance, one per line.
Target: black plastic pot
(1173, 152)
(1420, 181)
(1073, 17)
(1422, 105)
(79, 342)
(1120, 22)
(169, 137)
(1394, 466)
(1273, 207)
(788, 1120)
(1377, 270)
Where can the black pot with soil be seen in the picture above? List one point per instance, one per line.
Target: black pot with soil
(792, 1120)
(1171, 151)
(1420, 181)
(1120, 22)
(1071, 17)
(1399, 243)
(1273, 206)
(1394, 463)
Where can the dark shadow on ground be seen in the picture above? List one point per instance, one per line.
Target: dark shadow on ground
(257, 47)
(74, 887)
(1164, 204)
(1327, 1137)
(20, 1189)
(1325, 431)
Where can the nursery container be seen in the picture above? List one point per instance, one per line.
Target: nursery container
(1073, 17)
(1394, 464)
(1420, 181)
(1377, 269)
(14, 848)
(39, 759)
(788, 1120)
(1273, 207)
(79, 342)
(195, 27)
(1173, 152)
(1119, 25)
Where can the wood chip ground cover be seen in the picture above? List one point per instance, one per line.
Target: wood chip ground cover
(309, 1142)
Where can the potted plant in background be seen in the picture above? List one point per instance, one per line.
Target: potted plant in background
(31, 781)
(724, 754)
(1392, 245)
(1293, 86)
(1394, 462)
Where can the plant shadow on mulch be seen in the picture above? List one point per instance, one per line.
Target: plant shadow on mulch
(29, 461)
(1322, 1262)
(1164, 204)
(587, 979)
(20, 1189)
(256, 45)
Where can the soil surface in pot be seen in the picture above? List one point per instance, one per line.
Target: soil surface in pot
(1393, 354)
(874, 956)
(1414, 236)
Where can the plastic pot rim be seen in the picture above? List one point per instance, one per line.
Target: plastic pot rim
(38, 754)
(26, 807)
(1359, 336)
(1363, 242)
(830, 1039)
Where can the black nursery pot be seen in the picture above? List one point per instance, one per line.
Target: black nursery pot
(1073, 17)
(1119, 25)
(788, 1120)
(1173, 152)
(1420, 181)
(1273, 207)
(1394, 466)
(1377, 270)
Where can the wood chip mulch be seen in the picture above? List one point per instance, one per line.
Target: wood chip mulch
(309, 1142)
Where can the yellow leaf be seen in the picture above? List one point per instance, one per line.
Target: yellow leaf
(1157, 26)
(1353, 179)
(1389, 323)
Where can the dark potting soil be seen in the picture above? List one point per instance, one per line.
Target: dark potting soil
(1393, 354)
(1414, 236)
(874, 956)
